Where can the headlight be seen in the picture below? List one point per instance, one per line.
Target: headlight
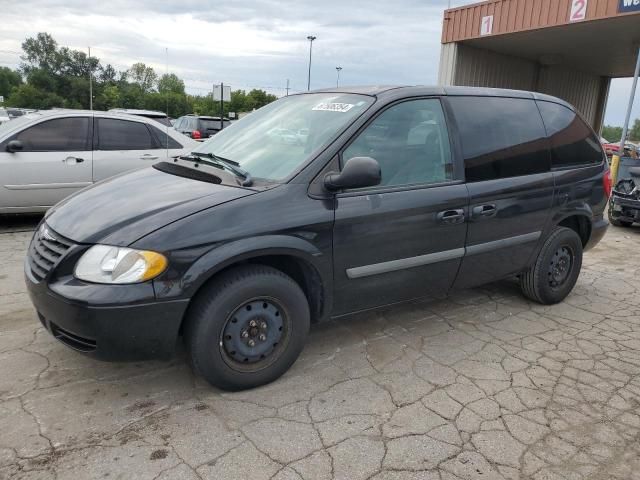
(106, 264)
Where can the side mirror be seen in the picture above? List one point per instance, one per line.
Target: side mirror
(358, 172)
(14, 146)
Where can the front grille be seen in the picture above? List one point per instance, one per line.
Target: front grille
(47, 247)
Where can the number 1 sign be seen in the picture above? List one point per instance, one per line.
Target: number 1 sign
(486, 27)
(578, 10)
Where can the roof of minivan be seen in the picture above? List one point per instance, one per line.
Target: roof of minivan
(417, 90)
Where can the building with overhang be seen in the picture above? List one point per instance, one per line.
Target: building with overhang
(567, 48)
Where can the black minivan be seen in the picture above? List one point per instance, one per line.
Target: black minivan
(392, 194)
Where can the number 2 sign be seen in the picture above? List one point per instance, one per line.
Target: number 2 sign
(578, 10)
(486, 27)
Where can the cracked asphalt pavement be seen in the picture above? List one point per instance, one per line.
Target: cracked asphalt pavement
(481, 385)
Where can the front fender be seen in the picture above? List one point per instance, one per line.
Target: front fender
(220, 257)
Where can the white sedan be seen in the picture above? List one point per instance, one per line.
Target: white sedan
(48, 155)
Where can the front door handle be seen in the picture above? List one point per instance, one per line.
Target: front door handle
(451, 217)
(148, 156)
(72, 160)
(484, 211)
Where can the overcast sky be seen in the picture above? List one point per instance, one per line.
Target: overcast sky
(254, 43)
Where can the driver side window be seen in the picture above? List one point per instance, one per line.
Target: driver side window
(410, 142)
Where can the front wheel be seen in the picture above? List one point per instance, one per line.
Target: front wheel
(247, 327)
(555, 271)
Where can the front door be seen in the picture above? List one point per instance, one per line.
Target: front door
(405, 238)
(55, 162)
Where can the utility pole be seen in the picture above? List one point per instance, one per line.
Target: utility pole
(166, 52)
(90, 81)
(221, 105)
(311, 38)
(287, 87)
(338, 69)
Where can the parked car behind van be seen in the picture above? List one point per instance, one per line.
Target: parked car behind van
(159, 117)
(200, 127)
(48, 155)
(395, 194)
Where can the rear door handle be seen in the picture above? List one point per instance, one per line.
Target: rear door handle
(148, 156)
(451, 217)
(484, 211)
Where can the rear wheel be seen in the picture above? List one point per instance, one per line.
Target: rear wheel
(247, 327)
(556, 270)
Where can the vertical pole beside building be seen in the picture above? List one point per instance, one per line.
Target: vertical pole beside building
(311, 38)
(221, 105)
(166, 52)
(615, 160)
(287, 87)
(90, 81)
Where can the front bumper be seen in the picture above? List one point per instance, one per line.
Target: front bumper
(107, 322)
(625, 209)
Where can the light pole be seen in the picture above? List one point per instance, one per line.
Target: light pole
(338, 77)
(311, 38)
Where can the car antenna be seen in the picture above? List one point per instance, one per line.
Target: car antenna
(166, 127)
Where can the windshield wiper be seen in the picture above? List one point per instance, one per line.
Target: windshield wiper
(216, 161)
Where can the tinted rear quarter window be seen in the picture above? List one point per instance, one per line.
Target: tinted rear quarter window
(500, 137)
(58, 135)
(115, 134)
(573, 143)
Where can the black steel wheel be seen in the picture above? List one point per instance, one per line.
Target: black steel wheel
(560, 266)
(556, 269)
(246, 327)
(254, 334)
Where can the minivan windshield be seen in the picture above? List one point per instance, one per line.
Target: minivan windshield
(273, 142)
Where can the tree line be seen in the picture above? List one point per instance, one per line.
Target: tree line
(614, 134)
(53, 76)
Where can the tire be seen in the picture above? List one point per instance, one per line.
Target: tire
(543, 283)
(616, 222)
(231, 312)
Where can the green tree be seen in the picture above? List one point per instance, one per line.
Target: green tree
(611, 133)
(9, 79)
(108, 98)
(170, 83)
(634, 131)
(28, 96)
(41, 52)
(143, 76)
(257, 98)
(175, 104)
(107, 74)
(238, 101)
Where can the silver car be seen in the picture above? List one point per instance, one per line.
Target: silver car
(48, 155)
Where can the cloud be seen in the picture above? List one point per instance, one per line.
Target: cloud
(262, 42)
(257, 43)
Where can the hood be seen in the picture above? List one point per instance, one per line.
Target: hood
(123, 209)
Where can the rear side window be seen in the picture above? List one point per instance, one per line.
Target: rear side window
(114, 134)
(501, 137)
(162, 138)
(59, 135)
(573, 143)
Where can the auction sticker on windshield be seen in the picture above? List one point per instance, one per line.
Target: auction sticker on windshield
(334, 107)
